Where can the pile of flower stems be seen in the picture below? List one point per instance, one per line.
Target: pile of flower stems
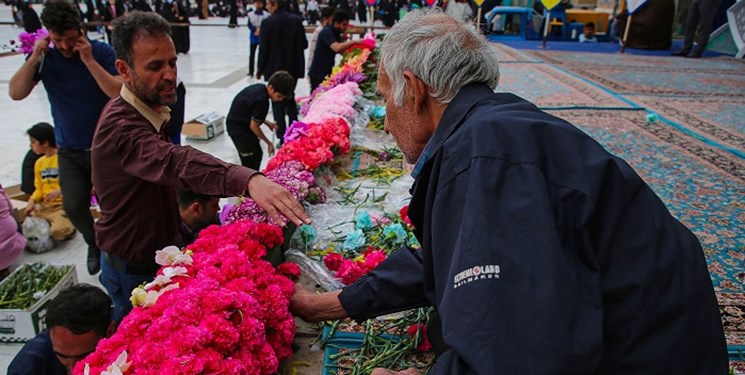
(19, 290)
(384, 344)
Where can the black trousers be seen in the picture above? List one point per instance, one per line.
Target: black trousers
(252, 58)
(75, 183)
(315, 82)
(249, 150)
(700, 20)
(286, 108)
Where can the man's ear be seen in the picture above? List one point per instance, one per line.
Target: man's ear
(416, 89)
(124, 69)
(195, 207)
(111, 329)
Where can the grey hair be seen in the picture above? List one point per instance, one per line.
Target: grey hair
(443, 52)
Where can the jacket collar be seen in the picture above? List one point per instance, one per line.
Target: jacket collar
(451, 119)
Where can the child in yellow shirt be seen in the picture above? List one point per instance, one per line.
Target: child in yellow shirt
(46, 183)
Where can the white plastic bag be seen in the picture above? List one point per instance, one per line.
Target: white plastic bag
(37, 233)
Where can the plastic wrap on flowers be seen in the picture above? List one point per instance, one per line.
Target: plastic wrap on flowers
(361, 115)
(371, 139)
(217, 308)
(315, 270)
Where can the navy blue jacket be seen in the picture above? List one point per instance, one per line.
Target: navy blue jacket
(545, 254)
(37, 358)
(281, 44)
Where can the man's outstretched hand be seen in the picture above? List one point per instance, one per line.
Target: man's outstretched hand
(276, 200)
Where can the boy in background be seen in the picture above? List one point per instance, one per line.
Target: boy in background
(248, 112)
(255, 17)
(588, 34)
(46, 183)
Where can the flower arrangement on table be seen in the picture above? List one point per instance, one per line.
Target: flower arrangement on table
(308, 146)
(216, 307)
(366, 246)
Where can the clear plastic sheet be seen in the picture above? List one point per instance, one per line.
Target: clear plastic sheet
(313, 269)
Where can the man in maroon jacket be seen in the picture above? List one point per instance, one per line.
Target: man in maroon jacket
(136, 169)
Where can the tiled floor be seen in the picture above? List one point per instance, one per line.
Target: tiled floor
(213, 72)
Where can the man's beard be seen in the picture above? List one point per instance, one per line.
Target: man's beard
(152, 97)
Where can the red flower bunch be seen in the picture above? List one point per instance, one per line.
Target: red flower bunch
(364, 44)
(349, 270)
(223, 309)
(420, 330)
(404, 213)
(316, 148)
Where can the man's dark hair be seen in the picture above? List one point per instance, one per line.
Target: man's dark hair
(43, 132)
(186, 197)
(60, 16)
(590, 25)
(327, 12)
(340, 15)
(81, 308)
(281, 4)
(282, 82)
(136, 25)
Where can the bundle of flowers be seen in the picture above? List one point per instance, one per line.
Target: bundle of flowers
(365, 247)
(367, 43)
(307, 146)
(338, 101)
(313, 144)
(293, 176)
(26, 41)
(353, 68)
(217, 307)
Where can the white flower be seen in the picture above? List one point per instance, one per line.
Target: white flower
(143, 298)
(165, 278)
(119, 366)
(172, 255)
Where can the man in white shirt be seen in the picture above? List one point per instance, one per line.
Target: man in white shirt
(255, 17)
(312, 12)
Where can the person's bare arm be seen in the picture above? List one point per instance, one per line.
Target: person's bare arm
(22, 83)
(110, 84)
(256, 129)
(340, 47)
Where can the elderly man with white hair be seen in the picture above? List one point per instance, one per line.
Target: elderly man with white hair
(541, 252)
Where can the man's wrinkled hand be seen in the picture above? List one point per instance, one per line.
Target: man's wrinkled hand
(276, 200)
(300, 302)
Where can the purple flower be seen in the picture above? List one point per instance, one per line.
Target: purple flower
(29, 39)
(295, 131)
(291, 175)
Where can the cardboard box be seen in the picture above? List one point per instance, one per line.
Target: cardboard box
(204, 127)
(14, 192)
(19, 210)
(22, 325)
